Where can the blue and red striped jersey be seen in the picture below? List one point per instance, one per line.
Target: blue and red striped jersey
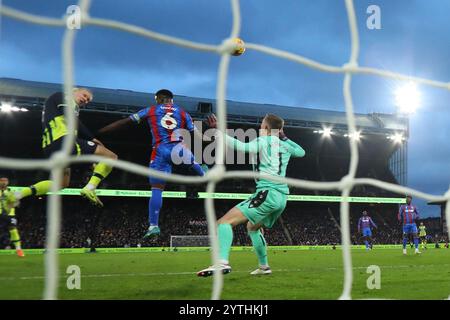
(366, 222)
(407, 214)
(165, 120)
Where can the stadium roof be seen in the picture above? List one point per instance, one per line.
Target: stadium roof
(33, 94)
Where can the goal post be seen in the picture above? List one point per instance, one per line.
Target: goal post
(177, 241)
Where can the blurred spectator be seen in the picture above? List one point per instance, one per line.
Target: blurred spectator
(123, 221)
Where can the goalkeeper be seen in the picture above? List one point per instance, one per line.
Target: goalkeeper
(264, 207)
(54, 129)
(8, 216)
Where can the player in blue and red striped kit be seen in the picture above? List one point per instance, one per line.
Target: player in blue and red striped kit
(166, 120)
(407, 215)
(365, 223)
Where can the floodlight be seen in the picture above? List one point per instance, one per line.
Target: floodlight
(407, 98)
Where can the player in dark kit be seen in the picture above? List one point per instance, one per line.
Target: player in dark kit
(8, 216)
(423, 235)
(54, 129)
(166, 120)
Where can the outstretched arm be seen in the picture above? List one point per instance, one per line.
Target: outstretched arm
(294, 149)
(134, 118)
(252, 146)
(119, 124)
(198, 135)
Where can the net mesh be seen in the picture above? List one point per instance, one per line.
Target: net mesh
(218, 173)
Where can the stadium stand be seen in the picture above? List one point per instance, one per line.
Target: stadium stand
(122, 224)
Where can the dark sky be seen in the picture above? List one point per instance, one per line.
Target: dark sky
(414, 40)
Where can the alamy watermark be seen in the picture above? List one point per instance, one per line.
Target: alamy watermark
(373, 22)
(241, 146)
(374, 280)
(73, 17)
(74, 278)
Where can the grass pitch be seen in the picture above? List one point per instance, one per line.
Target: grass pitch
(171, 275)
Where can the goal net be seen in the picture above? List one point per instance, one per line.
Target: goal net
(218, 173)
(189, 241)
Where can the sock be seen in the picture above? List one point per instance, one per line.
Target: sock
(366, 243)
(259, 243)
(154, 205)
(416, 243)
(197, 169)
(225, 233)
(38, 189)
(15, 238)
(405, 241)
(101, 171)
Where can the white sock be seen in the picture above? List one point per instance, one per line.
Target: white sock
(18, 247)
(224, 262)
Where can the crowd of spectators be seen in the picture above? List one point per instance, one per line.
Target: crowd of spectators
(122, 223)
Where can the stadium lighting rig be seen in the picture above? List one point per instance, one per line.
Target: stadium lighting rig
(407, 98)
(397, 138)
(356, 135)
(326, 132)
(7, 107)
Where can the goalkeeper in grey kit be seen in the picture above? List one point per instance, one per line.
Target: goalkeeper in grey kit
(266, 205)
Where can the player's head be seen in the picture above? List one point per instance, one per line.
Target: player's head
(164, 96)
(364, 213)
(82, 96)
(271, 124)
(408, 199)
(4, 182)
(421, 223)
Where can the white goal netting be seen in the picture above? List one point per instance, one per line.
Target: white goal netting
(62, 159)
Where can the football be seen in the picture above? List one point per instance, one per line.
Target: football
(240, 47)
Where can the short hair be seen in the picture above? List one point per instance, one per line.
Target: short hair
(274, 121)
(83, 89)
(408, 196)
(164, 93)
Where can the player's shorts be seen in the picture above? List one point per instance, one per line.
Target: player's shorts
(422, 235)
(409, 228)
(81, 147)
(165, 156)
(265, 206)
(367, 232)
(7, 221)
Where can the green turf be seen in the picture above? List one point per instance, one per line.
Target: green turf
(297, 275)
